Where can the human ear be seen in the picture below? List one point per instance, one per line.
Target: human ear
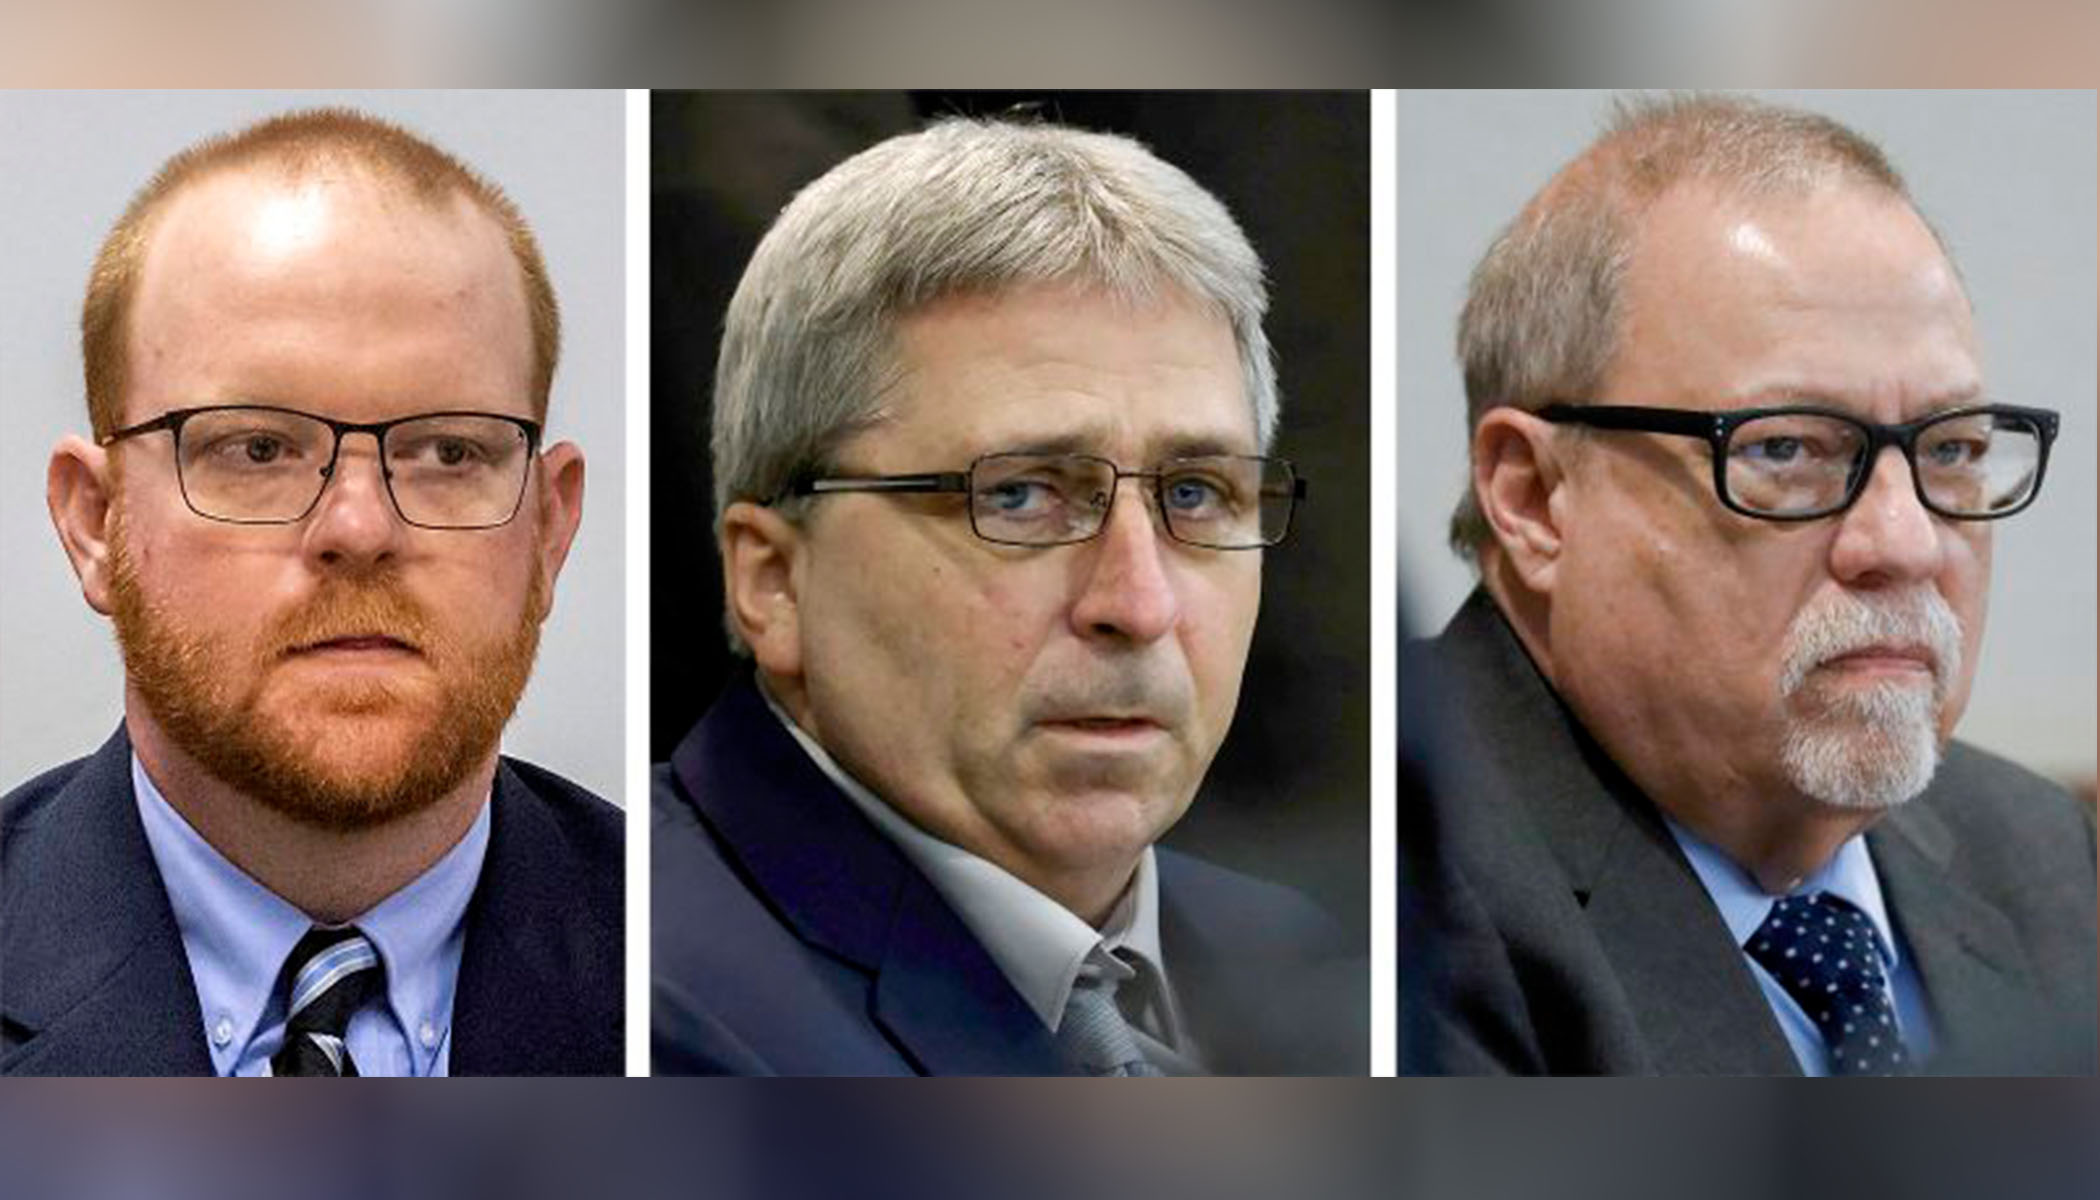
(561, 512)
(761, 585)
(1517, 469)
(78, 489)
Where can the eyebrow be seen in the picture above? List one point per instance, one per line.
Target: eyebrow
(1182, 445)
(1790, 393)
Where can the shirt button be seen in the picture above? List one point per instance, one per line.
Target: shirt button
(222, 1030)
(428, 1034)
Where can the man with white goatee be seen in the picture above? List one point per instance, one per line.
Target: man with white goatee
(1735, 472)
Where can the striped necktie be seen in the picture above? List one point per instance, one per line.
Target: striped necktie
(1094, 1034)
(328, 976)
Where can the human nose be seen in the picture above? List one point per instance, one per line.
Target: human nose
(1127, 592)
(354, 524)
(1887, 536)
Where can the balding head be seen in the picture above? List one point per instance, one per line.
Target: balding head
(1545, 307)
(309, 153)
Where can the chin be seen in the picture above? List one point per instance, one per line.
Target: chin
(1864, 761)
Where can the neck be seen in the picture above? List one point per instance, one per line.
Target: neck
(1770, 830)
(332, 876)
(1091, 894)
(1779, 842)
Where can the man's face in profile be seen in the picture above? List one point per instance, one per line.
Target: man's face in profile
(1825, 658)
(345, 667)
(1051, 708)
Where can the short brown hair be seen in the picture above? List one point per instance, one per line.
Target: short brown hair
(295, 144)
(1543, 308)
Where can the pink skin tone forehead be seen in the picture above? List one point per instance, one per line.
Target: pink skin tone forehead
(426, 303)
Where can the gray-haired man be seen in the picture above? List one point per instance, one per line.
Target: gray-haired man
(991, 430)
(1735, 473)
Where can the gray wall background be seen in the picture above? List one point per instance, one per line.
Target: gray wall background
(69, 162)
(2009, 180)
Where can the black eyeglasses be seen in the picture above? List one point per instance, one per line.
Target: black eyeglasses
(1219, 501)
(260, 465)
(1800, 462)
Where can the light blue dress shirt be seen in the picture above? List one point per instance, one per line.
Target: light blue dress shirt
(1849, 874)
(237, 934)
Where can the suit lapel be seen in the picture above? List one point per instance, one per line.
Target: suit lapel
(1977, 980)
(520, 1008)
(97, 981)
(1682, 972)
(1674, 965)
(845, 888)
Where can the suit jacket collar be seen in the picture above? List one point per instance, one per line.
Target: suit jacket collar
(96, 980)
(1977, 977)
(845, 888)
(1680, 971)
(95, 976)
(521, 1008)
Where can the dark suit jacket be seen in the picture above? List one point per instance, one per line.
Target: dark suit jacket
(94, 979)
(1557, 928)
(793, 938)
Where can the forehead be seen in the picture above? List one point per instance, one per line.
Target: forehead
(1840, 294)
(1058, 367)
(248, 276)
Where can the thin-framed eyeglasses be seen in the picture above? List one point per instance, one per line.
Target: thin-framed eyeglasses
(256, 464)
(1217, 501)
(1801, 462)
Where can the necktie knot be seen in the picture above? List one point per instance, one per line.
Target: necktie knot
(1827, 955)
(1093, 1033)
(328, 977)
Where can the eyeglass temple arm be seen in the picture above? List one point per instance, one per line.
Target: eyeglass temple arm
(1636, 418)
(944, 481)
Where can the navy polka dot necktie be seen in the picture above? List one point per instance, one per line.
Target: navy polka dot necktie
(1827, 954)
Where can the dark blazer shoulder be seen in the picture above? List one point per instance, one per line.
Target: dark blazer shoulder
(540, 988)
(93, 978)
(1270, 981)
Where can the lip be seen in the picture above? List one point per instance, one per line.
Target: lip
(1108, 728)
(1884, 659)
(372, 646)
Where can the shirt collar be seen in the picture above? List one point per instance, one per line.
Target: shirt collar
(237, 933)
(1038, 944)
(1744, 904)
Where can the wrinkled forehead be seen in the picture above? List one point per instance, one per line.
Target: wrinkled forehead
(1060, 368)
(1838, 294)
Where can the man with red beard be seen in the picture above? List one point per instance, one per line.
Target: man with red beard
(1734, 475)
(317, 508)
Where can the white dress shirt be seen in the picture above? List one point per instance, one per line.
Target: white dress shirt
(1038, 944)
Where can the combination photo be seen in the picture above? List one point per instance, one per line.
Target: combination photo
(1033, 583)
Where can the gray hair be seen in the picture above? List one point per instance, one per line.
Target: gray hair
(1543, 309)
(962, 207)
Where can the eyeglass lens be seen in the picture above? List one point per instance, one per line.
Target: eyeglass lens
(1222, 501)
(262, 465)
(1972, 464)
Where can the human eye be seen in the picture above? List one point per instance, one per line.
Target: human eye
(1794, 442)
(1021, 496)
(1953, 448)
(1199, 494)
(253, 446)
(1775, 449)
(460, 448)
